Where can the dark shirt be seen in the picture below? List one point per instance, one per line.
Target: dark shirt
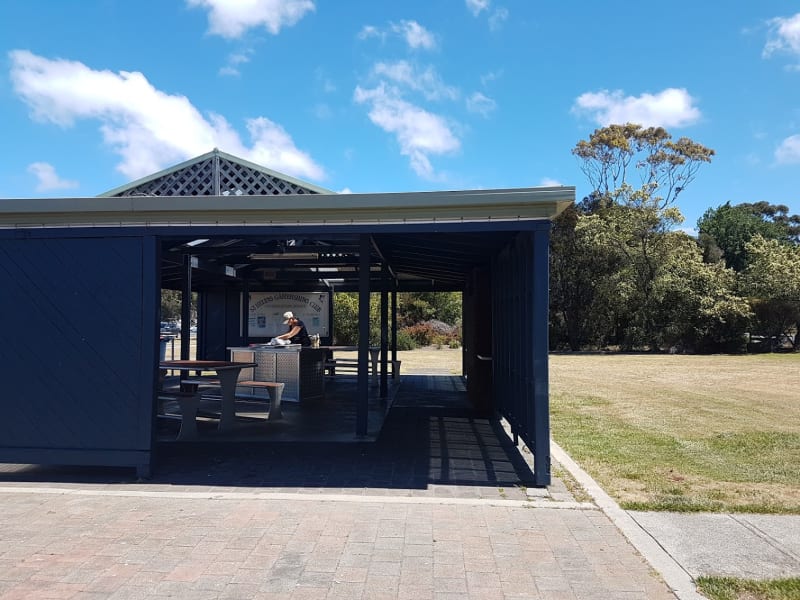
(302, 337)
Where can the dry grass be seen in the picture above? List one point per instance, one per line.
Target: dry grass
(683, 432)
(424, 361)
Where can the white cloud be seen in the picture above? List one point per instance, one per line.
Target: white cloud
(415, 35)
(419, 132)
(672, 107)
(784, 36)
(231, 69)
(788, 153)
(425, 81)
(491, 76)
(477, 6)
(232, 18)
(48, 179)
(148, 128)
(480, 104)
(548, 182)
(498, 18)
(324, 82)
(370, 31)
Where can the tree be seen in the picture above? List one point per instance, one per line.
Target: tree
(412, 308)
(725, 230)
(771, 280)
(170, 305)
(635, 219)
(416, 307)
(697, 302)
(580, 270)
(345, 318)
(615, 153)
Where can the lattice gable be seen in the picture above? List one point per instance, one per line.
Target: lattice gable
(212, 174)
(234, 176)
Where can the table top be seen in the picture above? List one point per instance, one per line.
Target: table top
(204, 365)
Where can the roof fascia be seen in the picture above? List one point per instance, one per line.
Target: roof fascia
(298, 209)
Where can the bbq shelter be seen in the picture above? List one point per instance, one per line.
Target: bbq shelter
(82, 278)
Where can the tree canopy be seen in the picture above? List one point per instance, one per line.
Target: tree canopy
(615, 155)
(725, 231)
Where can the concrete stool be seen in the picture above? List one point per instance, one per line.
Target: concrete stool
(189, 403)
(275, 389)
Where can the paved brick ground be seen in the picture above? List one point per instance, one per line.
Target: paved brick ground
(104, 544)
(439, 507)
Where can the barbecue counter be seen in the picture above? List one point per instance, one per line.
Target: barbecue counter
(300, 368)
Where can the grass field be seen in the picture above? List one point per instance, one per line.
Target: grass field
(687, 433)
(727, 588)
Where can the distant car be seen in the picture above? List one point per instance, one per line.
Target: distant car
(170, 327)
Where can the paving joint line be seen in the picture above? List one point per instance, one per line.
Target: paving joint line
(753, 528)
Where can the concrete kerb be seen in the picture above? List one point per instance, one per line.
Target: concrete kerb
(673, 574)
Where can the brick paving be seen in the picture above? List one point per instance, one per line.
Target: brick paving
(156, 545)
(437, 508)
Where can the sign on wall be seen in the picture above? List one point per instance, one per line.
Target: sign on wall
(266, 312)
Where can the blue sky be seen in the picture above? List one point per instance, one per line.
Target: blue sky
(369, 96)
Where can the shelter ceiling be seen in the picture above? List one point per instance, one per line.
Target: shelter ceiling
(433, 260)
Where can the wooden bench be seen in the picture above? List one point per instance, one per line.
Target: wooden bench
(275, 390)
(189, 403)
(351, 365)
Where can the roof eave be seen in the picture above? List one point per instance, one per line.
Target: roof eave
(467, 205)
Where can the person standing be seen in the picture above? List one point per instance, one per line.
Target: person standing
(297, 334)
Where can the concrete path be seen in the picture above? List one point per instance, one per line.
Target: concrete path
(682, 547)
(742, 545)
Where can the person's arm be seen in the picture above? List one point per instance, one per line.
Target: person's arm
(289, 334)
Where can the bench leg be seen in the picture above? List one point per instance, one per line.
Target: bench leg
(275, 394)
(189, 406)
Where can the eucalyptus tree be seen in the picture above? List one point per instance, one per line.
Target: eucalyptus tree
(637, 173)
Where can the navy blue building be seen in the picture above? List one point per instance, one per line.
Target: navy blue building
(80, 283)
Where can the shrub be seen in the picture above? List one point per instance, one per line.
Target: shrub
(433, 333)
(405, 341)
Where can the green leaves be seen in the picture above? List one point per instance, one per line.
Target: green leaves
(616, 155)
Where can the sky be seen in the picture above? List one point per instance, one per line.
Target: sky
(370, 96)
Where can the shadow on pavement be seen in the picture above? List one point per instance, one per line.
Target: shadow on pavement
(430, 437)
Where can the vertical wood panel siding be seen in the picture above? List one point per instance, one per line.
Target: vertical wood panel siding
(78, 344)
(520, 383)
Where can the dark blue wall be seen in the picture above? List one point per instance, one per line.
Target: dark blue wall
(79, 334)
(520, 348)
